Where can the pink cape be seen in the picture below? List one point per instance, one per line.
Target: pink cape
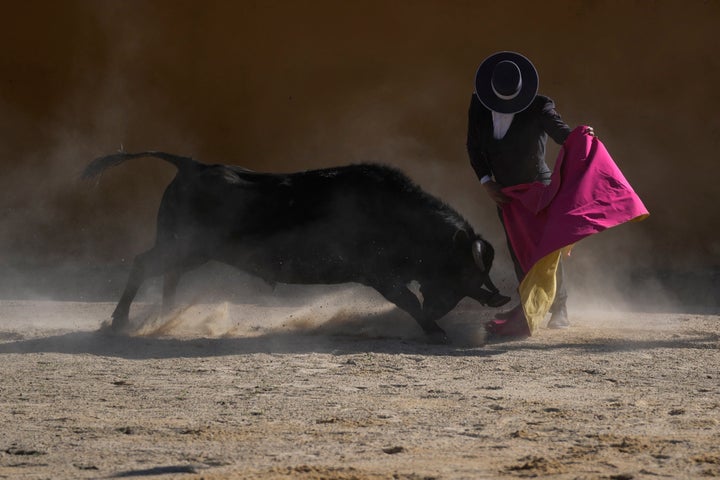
(587, 194)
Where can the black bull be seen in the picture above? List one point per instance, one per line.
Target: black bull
(360, 223)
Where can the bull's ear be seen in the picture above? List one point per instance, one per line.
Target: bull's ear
(461, 237)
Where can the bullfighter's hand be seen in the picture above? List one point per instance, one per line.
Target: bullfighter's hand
(495, 191)
(590, 131)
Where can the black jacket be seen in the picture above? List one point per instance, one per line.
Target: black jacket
(519, 157)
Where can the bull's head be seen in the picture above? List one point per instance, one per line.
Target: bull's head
(483, 254)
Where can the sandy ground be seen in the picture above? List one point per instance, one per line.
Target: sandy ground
(346, 389)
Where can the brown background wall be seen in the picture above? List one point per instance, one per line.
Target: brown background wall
(286, 85)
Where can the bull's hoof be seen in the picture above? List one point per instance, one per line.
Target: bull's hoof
(116, 326)
(497, 300)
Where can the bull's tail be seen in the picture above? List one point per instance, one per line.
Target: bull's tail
(98, 166)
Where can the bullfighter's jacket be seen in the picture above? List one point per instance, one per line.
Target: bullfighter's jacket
(518, 157)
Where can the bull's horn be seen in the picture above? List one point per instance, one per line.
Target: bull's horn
(477, 250)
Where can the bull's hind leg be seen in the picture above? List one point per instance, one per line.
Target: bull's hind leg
(149, 264)
(170, 284)
(177, 267)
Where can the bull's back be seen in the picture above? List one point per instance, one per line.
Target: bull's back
(307, 223)
(245, 201)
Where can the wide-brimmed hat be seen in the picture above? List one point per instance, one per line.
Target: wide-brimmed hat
(506, 82)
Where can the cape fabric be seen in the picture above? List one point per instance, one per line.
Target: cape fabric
(586, 195)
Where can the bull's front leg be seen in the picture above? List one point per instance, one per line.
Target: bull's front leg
(432, 329)
(428, 320)
(438, 301)
(405, 299)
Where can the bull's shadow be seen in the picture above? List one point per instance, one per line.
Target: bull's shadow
(144, 348)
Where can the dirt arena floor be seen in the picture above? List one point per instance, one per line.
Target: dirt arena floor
(341, 388)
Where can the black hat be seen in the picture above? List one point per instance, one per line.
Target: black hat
(506, 82)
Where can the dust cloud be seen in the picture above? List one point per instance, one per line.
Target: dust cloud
(320, 311)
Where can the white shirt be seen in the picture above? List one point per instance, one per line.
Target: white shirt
(501, 124)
